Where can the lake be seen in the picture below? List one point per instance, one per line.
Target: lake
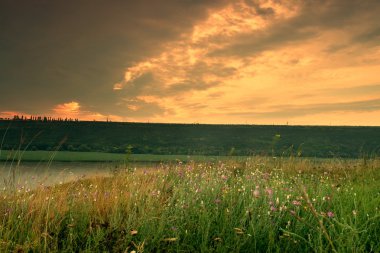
(32, 174)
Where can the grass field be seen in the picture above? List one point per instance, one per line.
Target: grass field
(260, 205)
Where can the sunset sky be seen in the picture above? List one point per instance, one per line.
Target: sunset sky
(310, 62)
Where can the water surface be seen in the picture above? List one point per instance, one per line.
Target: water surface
(32, 174)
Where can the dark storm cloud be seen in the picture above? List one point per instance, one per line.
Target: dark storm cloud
(314, 18)
(57, 51)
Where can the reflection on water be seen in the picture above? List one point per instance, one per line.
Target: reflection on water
(32, 174)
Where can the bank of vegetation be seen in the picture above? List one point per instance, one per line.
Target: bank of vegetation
(190, 139)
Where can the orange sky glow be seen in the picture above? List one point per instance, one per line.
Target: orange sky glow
(246, 62)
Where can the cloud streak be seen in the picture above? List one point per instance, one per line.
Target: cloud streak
(290, 111)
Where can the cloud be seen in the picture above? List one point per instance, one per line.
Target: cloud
(74, 110)
(290, 111)
(54, 51)
(67, 108)
(251, 40)
(170, 61)
(356, 91)
(258, 9)
(368, 89)
(372, 36)
(312, 19)
(143, 107)
(184, 67)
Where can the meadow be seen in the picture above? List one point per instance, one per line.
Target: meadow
(261, 204)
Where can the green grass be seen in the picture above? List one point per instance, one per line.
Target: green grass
(260, 205)
(67, 156)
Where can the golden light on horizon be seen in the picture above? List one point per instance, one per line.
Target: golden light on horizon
(257, 62)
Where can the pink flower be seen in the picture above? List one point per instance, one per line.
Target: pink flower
(296, 202)
(269, 191)
(330, 214)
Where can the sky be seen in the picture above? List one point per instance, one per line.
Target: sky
(296, 62)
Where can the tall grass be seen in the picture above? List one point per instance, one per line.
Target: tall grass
(260, 205)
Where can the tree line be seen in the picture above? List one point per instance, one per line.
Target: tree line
(40, 118)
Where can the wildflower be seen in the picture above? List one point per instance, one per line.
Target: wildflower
(256, 193)
(269, 191)
(330, 214)
(296, 202)
(354, 212)
(327, 198)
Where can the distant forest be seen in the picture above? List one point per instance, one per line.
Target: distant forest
(42, 133)
(37, 118)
